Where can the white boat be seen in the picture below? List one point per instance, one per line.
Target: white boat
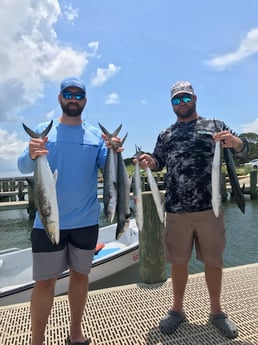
(16, 281)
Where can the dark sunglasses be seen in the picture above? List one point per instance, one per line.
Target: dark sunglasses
(77, 95)
(186, 98)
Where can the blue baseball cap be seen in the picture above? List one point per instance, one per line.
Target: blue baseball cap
(72, 82)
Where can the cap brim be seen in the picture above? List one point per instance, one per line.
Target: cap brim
(181, 91)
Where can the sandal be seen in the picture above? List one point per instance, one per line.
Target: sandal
(86, 342)
(171, 321)
(224, 325)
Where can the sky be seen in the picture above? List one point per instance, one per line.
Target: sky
(129, 54)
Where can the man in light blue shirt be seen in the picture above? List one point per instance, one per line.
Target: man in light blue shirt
(76, 150)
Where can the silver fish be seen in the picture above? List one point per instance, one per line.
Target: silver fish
(123, 197)
(110, 178)
(45, 191)
(137, 192)
(215, 180)
(237, 191)
(156, 194)
(123, 184)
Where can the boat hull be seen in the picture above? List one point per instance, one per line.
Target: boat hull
(115, 257)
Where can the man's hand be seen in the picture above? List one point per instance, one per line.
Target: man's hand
(37, 147)
(114, 143)
(145, 161)
(229, 140)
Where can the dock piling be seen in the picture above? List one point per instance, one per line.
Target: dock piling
(151, 244)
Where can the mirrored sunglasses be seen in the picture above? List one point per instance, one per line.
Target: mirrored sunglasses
(70, 95)
(186, 98)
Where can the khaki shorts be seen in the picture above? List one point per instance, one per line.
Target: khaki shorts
(200, 229)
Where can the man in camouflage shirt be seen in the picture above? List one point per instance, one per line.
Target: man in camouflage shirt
(186, 149)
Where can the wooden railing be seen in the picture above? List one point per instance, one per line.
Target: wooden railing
(17, 192)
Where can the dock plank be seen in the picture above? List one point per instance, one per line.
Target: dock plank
(13, 205)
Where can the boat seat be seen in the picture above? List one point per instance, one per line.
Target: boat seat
(105, 251)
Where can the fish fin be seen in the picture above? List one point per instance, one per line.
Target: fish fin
(115, 184)
(138, 151)
(32, 134)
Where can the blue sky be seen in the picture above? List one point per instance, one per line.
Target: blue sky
(129, 54)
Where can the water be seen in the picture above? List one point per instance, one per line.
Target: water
(241, 248)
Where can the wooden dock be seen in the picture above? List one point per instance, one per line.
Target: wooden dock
(14, 205)
(16, 192)
(130, 315)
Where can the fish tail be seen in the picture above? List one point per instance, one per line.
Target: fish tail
(123, 140)
(122, 226)
(106, 132)
(32, 134)
(57, 237)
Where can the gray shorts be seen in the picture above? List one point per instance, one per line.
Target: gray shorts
(200, 229)
(74, 251)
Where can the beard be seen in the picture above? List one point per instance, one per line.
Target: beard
(73, 112)
(185, 114)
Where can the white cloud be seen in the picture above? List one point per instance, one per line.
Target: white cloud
(10, 147)
(51, 114)
(250, 127)
(113, 98)
(248, 46)
(31, 54)
(104, 74)
(143, 101)
(94, 46)
(70, 13)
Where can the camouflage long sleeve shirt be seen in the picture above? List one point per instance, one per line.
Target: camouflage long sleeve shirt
(186, 149)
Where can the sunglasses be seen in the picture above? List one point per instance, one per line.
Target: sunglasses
(70, 95)
(186, 98)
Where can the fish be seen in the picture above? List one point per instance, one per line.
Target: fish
(215, 180)
(156, 194)
(137, 192)
(45, 190)
(110, 177)
(123, 197)
(234, 182)
(123, 184)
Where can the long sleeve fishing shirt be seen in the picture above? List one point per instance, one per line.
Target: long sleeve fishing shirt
(186, 149)
(76, 152)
